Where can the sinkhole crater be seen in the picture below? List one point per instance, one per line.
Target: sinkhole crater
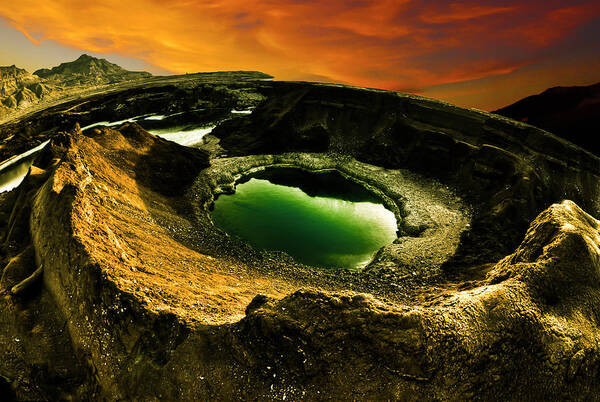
(319, 218)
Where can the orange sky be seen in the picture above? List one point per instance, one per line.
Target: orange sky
(463, 51)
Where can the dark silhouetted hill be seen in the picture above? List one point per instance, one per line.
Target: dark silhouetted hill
(569, 112)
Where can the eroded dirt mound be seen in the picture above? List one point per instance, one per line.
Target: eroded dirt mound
(104, 295)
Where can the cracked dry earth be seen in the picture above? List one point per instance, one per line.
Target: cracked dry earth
(116, 285)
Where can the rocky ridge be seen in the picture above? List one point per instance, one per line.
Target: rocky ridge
(20, 90)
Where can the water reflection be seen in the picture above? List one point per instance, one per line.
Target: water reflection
(183, 134)
(183, 137)
(14, 170)
(326, 231)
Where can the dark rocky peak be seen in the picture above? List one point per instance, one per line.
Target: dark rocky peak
(85, 57)
(89, 70)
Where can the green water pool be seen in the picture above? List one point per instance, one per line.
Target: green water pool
(339, 225)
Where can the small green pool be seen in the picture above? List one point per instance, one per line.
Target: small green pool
(319, 219)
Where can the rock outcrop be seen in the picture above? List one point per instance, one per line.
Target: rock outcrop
(12, 79)
(18, 88)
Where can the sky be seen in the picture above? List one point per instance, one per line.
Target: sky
(483, 54)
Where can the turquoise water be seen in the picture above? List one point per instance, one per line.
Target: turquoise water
(333, 231)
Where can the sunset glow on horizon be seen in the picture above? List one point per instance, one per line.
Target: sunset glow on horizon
(482, 54)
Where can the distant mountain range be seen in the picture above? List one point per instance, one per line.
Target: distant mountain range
(569, 112)
(20, 89)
